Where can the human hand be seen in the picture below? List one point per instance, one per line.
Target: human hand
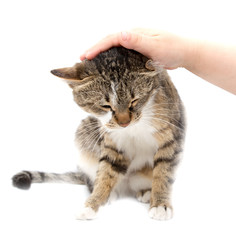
(167, 49)
(210, 61)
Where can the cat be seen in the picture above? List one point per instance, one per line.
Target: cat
(133, 139)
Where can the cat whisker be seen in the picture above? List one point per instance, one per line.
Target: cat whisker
(94, 125)
(93, 141)
(165, 115)
(103, 132)
(89, 139)
(85, 132)
(167, 122)
(154, 109)
(96, 137)
(161, 111)
(147, 123)
(81, 131)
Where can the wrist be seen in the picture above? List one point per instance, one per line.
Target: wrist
(191, 53)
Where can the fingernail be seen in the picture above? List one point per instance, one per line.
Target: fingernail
(82, 57)
(124, 36)
(87, 54)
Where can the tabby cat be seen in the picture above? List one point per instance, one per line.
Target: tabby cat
(132, 141)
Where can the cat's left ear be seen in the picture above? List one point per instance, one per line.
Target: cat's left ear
(150, 65)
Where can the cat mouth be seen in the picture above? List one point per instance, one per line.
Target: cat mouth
(124, 125)
(121, 126)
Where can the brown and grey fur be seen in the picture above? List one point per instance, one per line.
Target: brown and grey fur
(137, 146)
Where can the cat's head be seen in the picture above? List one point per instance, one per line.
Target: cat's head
(115, 86)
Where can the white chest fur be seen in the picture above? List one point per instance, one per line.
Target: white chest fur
(137, 143)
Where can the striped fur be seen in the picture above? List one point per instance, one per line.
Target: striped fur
(132, 142)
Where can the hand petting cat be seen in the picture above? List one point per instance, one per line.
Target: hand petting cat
(144, 41)
(216, 63)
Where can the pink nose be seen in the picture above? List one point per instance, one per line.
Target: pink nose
(123, 118)
(124, 124)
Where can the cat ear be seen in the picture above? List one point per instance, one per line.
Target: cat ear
(69, 73)
(73, 75)
(150, 65)
(154, 67)
(77, 72)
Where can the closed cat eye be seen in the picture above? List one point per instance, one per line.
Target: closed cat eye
(106, 107)
(133, 102)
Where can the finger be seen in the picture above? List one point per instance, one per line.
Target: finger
(82, 56)
(126, 39)
(130, 40)
(114, 40)
(101, 46)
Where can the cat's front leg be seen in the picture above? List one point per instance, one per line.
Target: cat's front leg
(109, 173)
(160, 202)
(165, 162)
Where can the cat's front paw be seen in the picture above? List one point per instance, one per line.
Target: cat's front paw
(86, 213)
(161, 213)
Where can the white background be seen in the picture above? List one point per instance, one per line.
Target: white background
(39, 118)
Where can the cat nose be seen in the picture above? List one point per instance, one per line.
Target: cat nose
(123, 119)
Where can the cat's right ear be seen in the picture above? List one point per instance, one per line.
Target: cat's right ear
(68, 73)
(74, 76)
(75, 73)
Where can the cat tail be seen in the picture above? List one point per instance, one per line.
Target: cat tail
(24, 179)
